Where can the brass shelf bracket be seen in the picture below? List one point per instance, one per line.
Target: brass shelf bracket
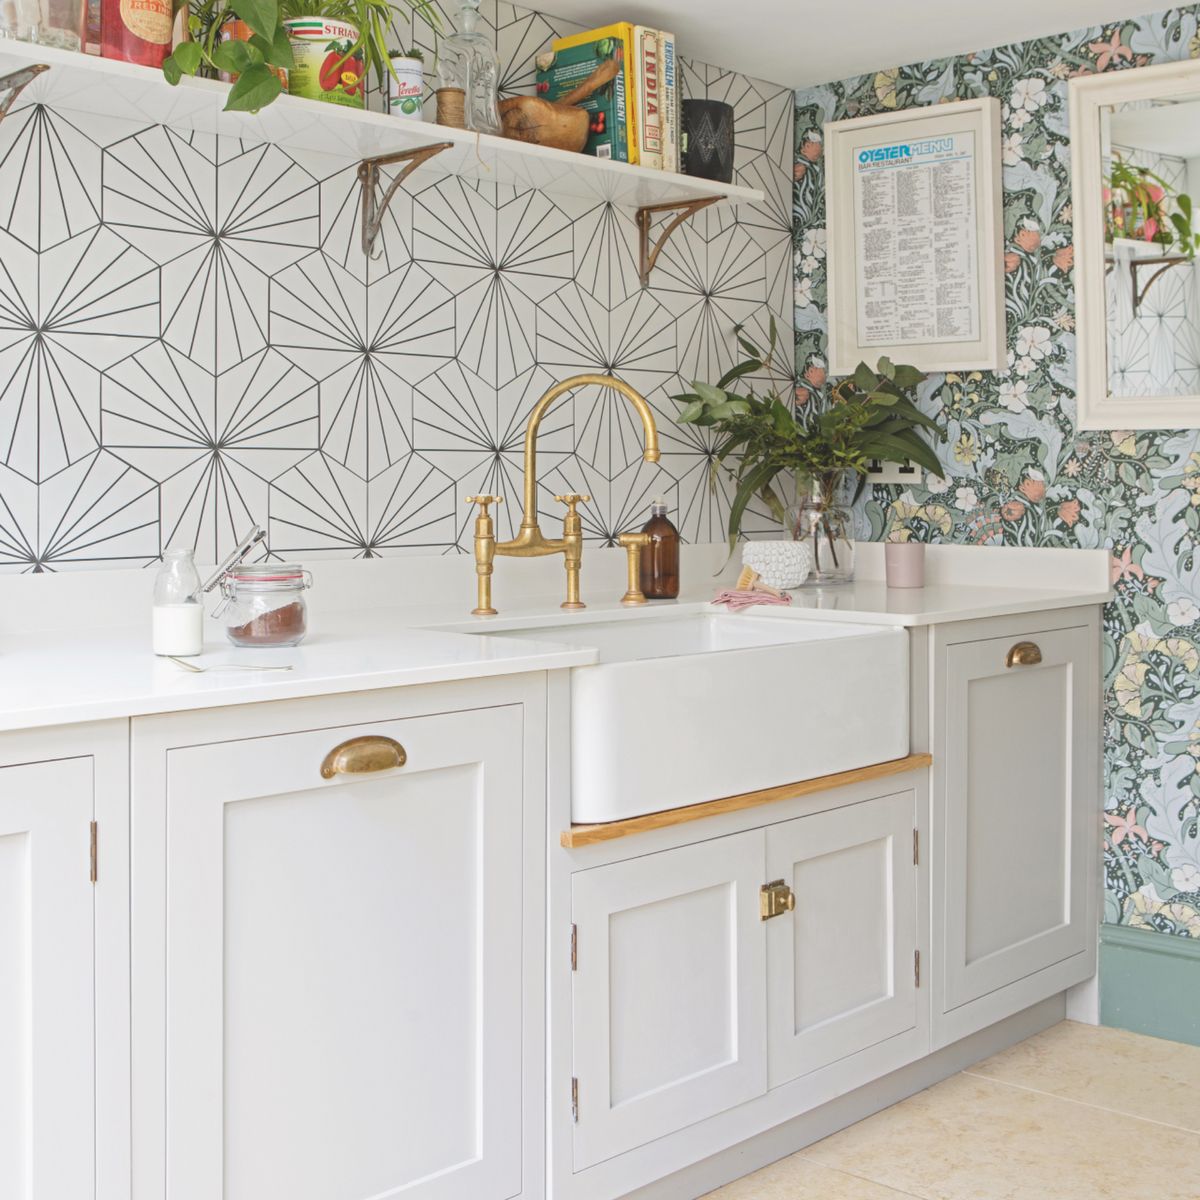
(16, 82)
(373, 207)
(683, 209)
(1163, 262)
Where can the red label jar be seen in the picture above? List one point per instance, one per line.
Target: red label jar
(137, 31)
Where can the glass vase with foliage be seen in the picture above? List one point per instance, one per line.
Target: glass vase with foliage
(258, 60)
(769, 451)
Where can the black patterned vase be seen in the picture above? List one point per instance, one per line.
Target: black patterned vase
(707, 142)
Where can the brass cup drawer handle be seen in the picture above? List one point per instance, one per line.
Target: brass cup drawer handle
(362, 755)
(1024, 654)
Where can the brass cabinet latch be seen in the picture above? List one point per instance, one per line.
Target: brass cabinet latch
(775, 899)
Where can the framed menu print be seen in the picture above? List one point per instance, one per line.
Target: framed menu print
(916, 238)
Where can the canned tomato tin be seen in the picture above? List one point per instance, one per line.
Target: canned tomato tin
(324, 67)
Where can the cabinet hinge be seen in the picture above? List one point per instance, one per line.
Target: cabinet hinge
(574, 947)
(917, 968)
(94, 853)
(916, 846)
(574, 1099)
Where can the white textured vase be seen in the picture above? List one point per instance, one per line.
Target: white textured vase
(781, 564)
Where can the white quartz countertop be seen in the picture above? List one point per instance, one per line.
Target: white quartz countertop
(395, 623)
(58, 678)
(873, 601)
(863, 602)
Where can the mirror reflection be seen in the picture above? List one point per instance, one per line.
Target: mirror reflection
(1151, 164)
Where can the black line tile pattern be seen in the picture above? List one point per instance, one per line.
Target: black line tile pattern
(191, 339)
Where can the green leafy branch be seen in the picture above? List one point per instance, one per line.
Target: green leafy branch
(251, 61)
(759, 437)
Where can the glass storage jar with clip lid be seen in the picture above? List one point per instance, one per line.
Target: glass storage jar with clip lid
(264, 604)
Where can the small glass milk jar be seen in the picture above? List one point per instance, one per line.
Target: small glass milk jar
(178, 615)
(264, 604)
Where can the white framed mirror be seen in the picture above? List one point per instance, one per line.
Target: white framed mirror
(1135, 165)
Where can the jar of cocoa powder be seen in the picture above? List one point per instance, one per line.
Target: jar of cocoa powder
(264, 604)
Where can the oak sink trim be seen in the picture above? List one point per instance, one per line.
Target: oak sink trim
(588, 835)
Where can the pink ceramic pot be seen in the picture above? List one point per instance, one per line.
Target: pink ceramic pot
(904, 564)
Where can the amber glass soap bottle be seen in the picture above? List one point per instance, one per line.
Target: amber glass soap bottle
(660, 559)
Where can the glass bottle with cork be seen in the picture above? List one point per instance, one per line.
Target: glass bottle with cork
(660, 558)
(468, 76)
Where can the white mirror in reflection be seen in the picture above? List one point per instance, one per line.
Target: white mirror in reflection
(1135, 163)
(1151, 155)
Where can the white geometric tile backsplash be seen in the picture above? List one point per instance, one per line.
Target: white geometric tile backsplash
(191, 339)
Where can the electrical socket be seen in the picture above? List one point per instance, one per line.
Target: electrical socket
(889, 472)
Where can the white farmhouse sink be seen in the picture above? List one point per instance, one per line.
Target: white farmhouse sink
(682, 709)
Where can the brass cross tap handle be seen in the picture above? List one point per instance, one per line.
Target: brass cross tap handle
(483, 502)
(485, 554)
(573, 546)
(633, 543)
(573, 498)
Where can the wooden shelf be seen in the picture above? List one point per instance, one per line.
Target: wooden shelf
(588, 835)
(126, 92)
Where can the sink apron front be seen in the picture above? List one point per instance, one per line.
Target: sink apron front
(656, 734)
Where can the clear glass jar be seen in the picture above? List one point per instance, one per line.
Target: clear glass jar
(467, 62)
(264, 604)
(823, 518)
(61, 23)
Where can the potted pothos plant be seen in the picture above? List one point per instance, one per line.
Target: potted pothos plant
(259, 60)
(1142, 206)
(817, 457)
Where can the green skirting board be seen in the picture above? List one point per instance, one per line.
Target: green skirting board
(1150, 983)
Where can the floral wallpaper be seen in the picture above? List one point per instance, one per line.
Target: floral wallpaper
(1018, 472)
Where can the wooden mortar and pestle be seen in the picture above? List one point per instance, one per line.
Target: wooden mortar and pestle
(556, 123)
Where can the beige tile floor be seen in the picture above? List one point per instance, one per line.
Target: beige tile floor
(1076, 1113)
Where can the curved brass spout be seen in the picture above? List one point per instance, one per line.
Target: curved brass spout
(530, 542)
(651, 453)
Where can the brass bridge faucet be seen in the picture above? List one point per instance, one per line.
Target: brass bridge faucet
(530, 542)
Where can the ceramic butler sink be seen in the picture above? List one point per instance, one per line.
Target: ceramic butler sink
(682, 709)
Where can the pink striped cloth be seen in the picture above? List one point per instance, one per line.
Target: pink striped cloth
(736, 601)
